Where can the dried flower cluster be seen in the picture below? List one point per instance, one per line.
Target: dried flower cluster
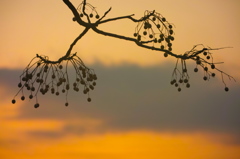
(43, 76)
(204, 59)
(155, 29)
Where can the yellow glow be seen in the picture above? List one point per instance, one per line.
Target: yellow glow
(130, 145)
(17, 142)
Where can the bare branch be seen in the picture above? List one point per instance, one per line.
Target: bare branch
(105, 14)
(152, 32)
(75, 13)
(66, 56)
(127, 17)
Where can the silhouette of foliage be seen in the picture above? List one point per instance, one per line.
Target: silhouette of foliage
(152, 31)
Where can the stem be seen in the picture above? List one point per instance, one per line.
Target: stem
(129, 17)
(67, 55)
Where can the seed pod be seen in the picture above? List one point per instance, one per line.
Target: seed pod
(30, 96)
(195, 69)
(13, 101)
(53, 90)
(89, 99)
(180, 81)
(97, 16)
(36, 105)
(226, 89)
(19, 85)
(67, 87)
(165, 54)
(33, 89)
(22, 98)
(213, 66)
(179, 89)
(95, 77)
(74, 84)
(206, 68)
(38, 74)
(91, 87)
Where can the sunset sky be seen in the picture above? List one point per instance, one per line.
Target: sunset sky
(135, 113)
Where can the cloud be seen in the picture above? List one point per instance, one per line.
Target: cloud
(131, 98)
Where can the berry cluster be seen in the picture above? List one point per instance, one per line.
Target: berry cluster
(205, 65)
(154, 28)
(43, 76)
(180, 77)
(202, 58)
(93, 12)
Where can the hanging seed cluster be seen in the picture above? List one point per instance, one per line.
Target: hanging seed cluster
(92, 12)
(180, 77)
(155, 29)
(208, 66)
(42, 77)
(204, 60)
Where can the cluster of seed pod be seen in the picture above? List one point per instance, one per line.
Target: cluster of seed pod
(155, 29)
(204, 59)
(180, 77)
(93, 12)
(43, 76)
(205, 65)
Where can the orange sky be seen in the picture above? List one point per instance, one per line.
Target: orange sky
(98, 130)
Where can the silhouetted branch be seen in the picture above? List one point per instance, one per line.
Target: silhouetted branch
(66, 56)
(105, 14)
(152, 32)
(127, 17)
(75, 13)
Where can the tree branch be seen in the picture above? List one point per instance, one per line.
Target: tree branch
(141, 44)
(152, 27)
(127, 17)
(67, 55)
(75, 13)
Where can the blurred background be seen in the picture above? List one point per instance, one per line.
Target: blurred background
(135, 113)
